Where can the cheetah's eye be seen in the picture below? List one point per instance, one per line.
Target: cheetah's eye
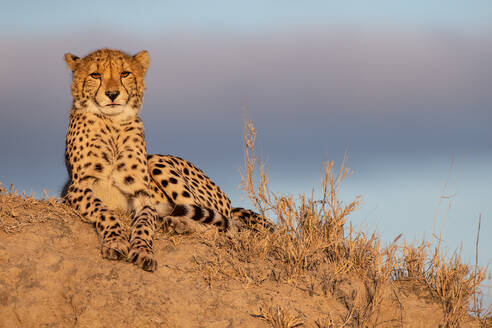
(96, 76)
(124, 74)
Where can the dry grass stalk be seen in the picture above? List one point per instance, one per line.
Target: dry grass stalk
(327, 322)
(278, 317)
(483, 315)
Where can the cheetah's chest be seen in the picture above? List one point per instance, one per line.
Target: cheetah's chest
(113, 153)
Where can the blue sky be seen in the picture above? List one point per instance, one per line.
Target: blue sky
(402, 87)
(27, 16)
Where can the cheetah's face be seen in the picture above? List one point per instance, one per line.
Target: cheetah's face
(109, 82)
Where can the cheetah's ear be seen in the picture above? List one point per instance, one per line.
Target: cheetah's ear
(72, 61)
(143, 59)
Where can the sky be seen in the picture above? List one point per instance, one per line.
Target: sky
(401, 89)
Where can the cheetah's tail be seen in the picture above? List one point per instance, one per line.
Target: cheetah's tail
(193, 213)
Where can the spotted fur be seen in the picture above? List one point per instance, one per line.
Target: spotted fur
(109, 168)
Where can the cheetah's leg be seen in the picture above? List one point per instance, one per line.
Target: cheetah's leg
(184, 206)
(108, 226)
(142, 233)
(134, 184)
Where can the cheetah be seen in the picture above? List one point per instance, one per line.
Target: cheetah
(109, 169)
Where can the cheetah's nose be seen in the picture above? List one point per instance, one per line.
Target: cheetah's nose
(112, 94)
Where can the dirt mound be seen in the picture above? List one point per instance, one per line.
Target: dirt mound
(52, 275)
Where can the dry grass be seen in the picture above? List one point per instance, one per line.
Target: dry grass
(314, 249)
(15, 215)
(278, 317)
(452, 282)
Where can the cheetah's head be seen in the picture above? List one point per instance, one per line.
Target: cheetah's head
(109, 82)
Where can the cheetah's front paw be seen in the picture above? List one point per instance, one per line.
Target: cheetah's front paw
(115, 249)
(143, 258)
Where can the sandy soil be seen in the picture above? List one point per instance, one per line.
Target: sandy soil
(52, 275)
